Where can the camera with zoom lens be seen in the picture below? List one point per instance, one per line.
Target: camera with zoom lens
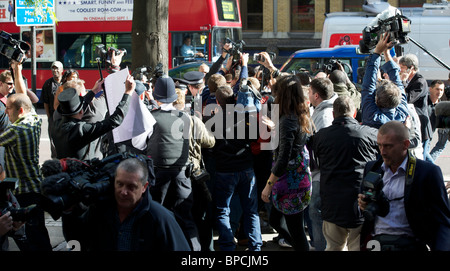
(85, 182)
(13, 49)
(107, 54)
(17, 213)
(236, 49)
(372, 185)
(397, 26)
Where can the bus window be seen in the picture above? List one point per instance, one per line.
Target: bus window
(188, 47)
(219, 36)
(78, 50)
(120, 41)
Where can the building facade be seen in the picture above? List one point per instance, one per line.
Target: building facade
(284, 26)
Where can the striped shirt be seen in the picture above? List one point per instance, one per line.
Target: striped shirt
(21, 142)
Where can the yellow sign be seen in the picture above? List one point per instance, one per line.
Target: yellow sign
(228, 10)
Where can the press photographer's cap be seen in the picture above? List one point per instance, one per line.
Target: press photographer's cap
(194, 77)
(165, 90)
(57, 64)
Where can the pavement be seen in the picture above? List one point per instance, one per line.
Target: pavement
(55, 227)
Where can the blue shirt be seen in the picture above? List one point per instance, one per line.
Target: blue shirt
(395, 222)
(372, 115)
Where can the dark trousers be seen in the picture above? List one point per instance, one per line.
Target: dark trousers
(37, 238)
(291, 227)
(399, 243)
(174, 191)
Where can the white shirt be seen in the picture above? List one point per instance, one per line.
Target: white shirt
(395, 222)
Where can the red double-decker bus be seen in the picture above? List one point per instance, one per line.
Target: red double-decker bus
(84, 24)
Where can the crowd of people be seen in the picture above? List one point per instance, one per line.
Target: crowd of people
(314, 154)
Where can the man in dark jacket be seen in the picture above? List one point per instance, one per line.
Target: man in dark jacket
(234, 171)
(343, 149)
(72, 135)
(416, 88)
(130, 222)
(416, 212)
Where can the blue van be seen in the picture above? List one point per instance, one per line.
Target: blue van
(314, 60)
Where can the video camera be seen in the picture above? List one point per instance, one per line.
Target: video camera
(333, 64)
(107, 54)
(17, 214)
(372, 186)
(398, 27)
(85, 182)
(152, 74)
(13, 49)
(236, 49)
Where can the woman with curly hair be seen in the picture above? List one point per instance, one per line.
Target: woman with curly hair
(289, 183)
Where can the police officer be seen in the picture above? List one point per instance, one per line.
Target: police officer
(168, 146)
(196, 85)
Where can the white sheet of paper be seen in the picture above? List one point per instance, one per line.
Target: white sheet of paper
(138, 119)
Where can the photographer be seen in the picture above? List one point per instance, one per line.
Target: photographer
(234, 174)
(114, 64)
(21, 142)
(386, 100)
(416, 89)
(8, 225)
(419, 212)
(130, 221)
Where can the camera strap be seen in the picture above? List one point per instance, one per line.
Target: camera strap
(410, 168)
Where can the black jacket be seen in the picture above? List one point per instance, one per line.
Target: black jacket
(232, 150)
(290, 144)
(417, 94)
(426, 206)
(342, 150)
(72, 136)
(154, 228)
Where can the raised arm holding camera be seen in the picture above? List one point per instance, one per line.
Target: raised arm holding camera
(386, 100)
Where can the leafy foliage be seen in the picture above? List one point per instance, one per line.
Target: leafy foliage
(41, 9)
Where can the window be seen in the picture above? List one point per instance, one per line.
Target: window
(353, 5)
(411, 3)
(252, 17)
(302, 15)
(219, 36)
(314, 65)
(79, 50)
(198, 41)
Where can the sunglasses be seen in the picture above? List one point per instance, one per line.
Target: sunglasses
(8, 83)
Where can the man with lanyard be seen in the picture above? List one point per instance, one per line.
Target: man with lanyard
(412, 207)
